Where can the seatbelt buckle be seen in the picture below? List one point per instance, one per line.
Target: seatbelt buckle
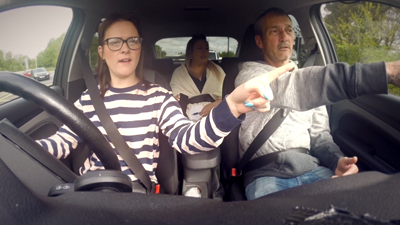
(157, 189)
(235, 172)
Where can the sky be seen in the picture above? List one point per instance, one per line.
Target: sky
(28, 30)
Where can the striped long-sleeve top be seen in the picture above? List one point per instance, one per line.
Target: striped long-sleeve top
(140, 115)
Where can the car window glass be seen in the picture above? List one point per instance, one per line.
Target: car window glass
(93, 55)
(31, 38)
(175, 48)
(364, 32)
(299, 54)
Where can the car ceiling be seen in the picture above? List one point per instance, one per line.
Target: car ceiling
(160, 18)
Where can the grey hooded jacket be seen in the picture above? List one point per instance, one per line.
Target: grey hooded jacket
(304, 89)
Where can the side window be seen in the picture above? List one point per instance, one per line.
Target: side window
(30, 45)
(93, 52)
(175, 48)
(299, 54)
(364, 32)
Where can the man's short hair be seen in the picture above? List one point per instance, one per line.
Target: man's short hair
(258, 25)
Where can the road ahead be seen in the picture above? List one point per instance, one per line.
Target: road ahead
(5, 97)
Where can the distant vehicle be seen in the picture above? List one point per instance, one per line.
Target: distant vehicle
(27, 73)
(213, 55)
(40, 74)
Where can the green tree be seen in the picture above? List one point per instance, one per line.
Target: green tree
(160, 53)
(8, 56)
(93, 51)
(2, 63)
(226, 54)
(364, 32)
(49, 56)
(22, 60)
(31, 63)
(8, 62)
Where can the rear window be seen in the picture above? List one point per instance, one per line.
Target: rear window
(213, 56)
(175, 48)
(299, 54)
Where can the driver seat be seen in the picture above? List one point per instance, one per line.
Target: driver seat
(167, 168)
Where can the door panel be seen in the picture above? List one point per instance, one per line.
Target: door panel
(19, 111)
(368, 128)
(29, 118)
(37, 124)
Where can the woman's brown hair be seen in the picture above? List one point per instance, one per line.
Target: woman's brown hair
(104, 77)
(189, 54)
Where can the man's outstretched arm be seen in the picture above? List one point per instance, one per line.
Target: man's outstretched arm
(314, 86)
(393, 72)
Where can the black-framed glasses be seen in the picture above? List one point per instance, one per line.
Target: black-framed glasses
(115, 44)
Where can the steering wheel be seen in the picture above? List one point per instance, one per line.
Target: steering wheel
(64, 111)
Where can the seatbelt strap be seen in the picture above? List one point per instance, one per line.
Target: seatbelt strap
(120, 144)
(261, 138)
(268, 158)
(201, 98)
(185, 100)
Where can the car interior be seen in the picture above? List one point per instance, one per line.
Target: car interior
(39, 189)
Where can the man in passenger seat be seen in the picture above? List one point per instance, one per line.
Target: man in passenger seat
(307, 151)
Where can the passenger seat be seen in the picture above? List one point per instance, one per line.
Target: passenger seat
(165, 67)
(231, 69)
(230, 146)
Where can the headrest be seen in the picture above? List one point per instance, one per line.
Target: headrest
(148, 56)
(248, 48)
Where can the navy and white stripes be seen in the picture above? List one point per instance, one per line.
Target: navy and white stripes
(139, 116)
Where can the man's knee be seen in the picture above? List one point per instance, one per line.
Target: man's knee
(266, 185)
(319, 173)
(322, 173)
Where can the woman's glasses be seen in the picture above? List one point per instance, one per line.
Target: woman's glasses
(115, 44)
